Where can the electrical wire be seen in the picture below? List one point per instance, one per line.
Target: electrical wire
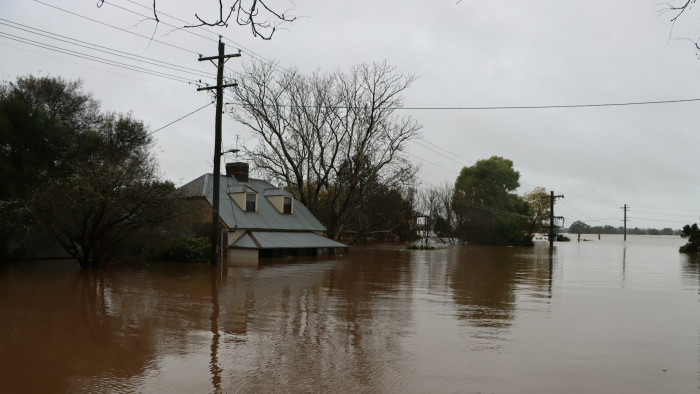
(103, 49)
(560, 106)
(151, 39)
(92, 67)
(654, 220)
(181, 118)
(95, 58)
(564, 106)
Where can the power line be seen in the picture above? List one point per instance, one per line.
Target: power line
(181, 118)
(446, 151)
(669, 214)
(95, 58)
(430, 162)
(575, 209)
(103, 49)
(434, 151)
(656, 220)
(89, 66)
(670, 209)
(151, 39)
(561, 106)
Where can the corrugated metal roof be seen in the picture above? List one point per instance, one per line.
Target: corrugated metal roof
(267, 216)
(277, 192)
(195, 188)
(236, 189)
(284, 240)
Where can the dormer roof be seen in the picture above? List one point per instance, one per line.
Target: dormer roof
(266, 217)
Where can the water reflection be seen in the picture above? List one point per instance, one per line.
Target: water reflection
(690, 264)
(486, 282)
(338, 324)
(87, 330)
(484, 287)
(214, 367)
(383, 319)
(624, 262)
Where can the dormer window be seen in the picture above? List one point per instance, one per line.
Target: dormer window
(250, 202)
(281, 200)
(245, 197)
(287, 207)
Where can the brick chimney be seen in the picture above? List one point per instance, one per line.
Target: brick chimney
(238, 170)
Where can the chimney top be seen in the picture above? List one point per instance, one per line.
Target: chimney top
(239, 170)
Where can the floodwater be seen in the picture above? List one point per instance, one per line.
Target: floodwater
(602, 316)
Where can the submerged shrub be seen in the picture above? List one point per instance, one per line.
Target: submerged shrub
(191, 250)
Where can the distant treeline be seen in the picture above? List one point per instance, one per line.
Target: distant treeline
(579, 227)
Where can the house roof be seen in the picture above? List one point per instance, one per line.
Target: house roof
(241, 188)
(277, 192)
(283, 240)
(267, 216)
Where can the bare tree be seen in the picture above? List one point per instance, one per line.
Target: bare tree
(677, 9)
(436, 203)
(330, 138)
(262, 19)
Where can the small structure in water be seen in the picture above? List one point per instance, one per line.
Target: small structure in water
(258, 219)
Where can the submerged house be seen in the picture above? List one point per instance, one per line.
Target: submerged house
(258, 219)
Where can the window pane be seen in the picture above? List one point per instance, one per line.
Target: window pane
(287, 205)
(250, 202)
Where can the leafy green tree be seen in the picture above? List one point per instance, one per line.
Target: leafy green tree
(487, 209)
(111, 192)
(62, 100)
(693, 235)
(39, 128)
(41, 121)
(539, 203)
(98, 187)
(579, 227)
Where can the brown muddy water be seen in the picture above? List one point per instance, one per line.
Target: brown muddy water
(590, 317)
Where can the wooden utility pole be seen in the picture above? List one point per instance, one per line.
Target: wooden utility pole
(552, 233)
(625, 208)
(217, 141)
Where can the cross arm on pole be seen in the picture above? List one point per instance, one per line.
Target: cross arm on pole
(228, 85)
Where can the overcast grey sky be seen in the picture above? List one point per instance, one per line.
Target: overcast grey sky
(465, 54)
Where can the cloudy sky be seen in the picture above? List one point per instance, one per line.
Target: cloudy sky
(468, 55)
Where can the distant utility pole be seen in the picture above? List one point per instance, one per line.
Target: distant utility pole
(217, 140)
(625, 209)
(552, 233)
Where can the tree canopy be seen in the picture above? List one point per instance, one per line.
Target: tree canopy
(693, 235)
(539, 204)
(86, 177)
(488, 210)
